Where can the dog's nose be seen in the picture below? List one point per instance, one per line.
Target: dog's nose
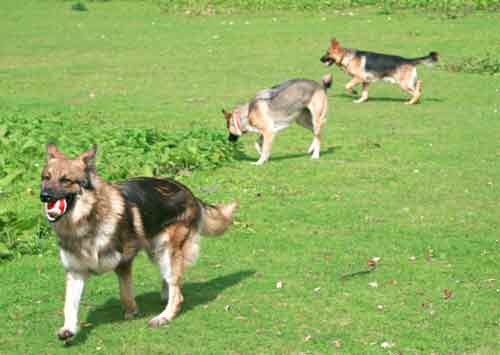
(233, 137)
(45, 196)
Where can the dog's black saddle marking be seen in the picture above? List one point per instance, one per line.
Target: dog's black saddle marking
(159, 201)
(382, 64)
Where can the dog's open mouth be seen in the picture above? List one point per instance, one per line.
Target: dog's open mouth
(56, 209)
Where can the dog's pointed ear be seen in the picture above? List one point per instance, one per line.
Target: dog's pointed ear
(53, 152)
(334, 43)
(88, 157)
(227, 115)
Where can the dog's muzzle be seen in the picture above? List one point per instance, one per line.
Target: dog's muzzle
(326, 60)
(56, 206)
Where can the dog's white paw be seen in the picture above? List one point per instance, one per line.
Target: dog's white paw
(158, 321)
(315, 156)
(66, 334)
(359, 101)
(259, 162)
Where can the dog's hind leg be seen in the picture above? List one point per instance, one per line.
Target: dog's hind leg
(364, 93)
(415, 92)
(171, 260)
(410, 84)
(318, 108)
(171, 268)
(124, 273)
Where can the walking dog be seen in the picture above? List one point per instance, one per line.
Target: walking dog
(274, 109)
(366, 67)
(101, 226)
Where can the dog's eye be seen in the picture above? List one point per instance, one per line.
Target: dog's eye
(65, 180)
(45, 177)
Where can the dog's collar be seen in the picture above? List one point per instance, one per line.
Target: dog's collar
(341, 60)
(237, 119)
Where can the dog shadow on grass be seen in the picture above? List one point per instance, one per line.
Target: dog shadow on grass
(386, 99)
(327, 151)
(150, 303)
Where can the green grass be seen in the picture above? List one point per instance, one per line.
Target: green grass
(393, 181)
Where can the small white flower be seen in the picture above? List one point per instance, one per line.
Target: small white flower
(387, 344)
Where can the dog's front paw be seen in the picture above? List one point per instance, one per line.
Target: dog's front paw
(158, 321)
(258, 162)
(65, 334)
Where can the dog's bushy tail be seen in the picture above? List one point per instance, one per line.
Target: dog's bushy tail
(327, 81)
(433, 57)
(216, 219)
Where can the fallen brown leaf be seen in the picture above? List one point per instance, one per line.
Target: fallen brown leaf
(373, 261)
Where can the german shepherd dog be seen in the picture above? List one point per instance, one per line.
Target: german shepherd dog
(101, 226)
(366, 67)
(274, 109)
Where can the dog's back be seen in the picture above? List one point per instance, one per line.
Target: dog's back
(289, 97)
(160, 202)
(383, 65)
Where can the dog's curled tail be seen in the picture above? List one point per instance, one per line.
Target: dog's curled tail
(433, 57)
(327, 81)
(216, 219)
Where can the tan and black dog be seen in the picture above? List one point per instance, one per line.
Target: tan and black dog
(274, 109)
(366, 67)
(101, 226)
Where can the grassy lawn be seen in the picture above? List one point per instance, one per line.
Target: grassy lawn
(416, 186)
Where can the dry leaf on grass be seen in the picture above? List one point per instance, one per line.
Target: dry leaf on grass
(448, 294)
(373, 261)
